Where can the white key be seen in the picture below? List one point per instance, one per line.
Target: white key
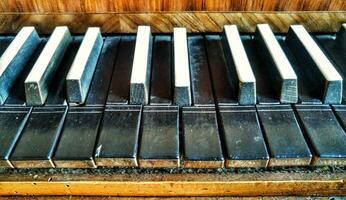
(39, 78)
(235, 53)
(182, 83)
(15, 57)
(82, 69)
(305, 45)
(288, 78)
(141, 68)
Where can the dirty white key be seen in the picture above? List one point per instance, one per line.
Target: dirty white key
(288, 83)
(141, 68)
(82, 69)
(42, 73)
(307, 50)
(15, 57)
(239, 66)
(182, 83)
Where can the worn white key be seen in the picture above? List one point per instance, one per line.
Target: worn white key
(141, 68)
(182, 83)
(39, 78)
(239, 65)
(15, 57)
(82, 69)
(288, 85)
(307, 50)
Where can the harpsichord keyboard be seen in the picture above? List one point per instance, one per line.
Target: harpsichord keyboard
(172, 100)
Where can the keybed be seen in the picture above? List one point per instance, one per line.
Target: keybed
(119, 116)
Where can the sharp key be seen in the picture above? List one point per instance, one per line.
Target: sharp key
(325, 134)
(15, 58)
(141, 68)
(287, 84)
(79, 77)
(285, 140)
(239, 66)
(328, 81)
(40, 77)
(182, 84)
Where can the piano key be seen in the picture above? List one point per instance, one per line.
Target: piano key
(325, 134)
(57, 90)
(36, 144)
(120, 85)
(265, 82)
(5, 41)
(340, 111)
(341, 36)
(159, 145)
(310, 56)
(40, 77)
(336, 52)
(14, 59)
(284, 138)
(201, 86)
(12, 122)
(242, 136)
(239, 67)
(225, 92)
(161, 75)
(81, 72)
(282, 69)
(202, 146)
(182, 84)
(117, 144)
(38, 140)
(17, 93)
(141, 68)
(98, 91)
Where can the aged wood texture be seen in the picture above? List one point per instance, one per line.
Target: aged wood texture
(165, 21)
(103, 6)
(161, 184)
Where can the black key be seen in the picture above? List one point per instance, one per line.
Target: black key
(97, 94)
(242, 135)
(17, 93)
(120, 85)
(335, 50)
(118, 139)
(159, 145)
(161, 75)
(284, 138)
(225, 92)
(40, 135)
(325, 134)
(76, 145)
(202, 146)
(5, 41)
(12, 122)
(341, 36)
(340, 111)
(200, 77)
(265, 82)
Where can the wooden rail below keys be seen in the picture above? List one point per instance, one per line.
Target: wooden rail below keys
(164, 22)
(164, 184)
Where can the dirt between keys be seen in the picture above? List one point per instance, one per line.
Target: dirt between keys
(316, 170)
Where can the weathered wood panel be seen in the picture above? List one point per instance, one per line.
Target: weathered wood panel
(104, 6)
(165, 21)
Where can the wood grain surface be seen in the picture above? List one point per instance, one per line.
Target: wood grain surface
(105, 6)
(164, 22)
(163, 184)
